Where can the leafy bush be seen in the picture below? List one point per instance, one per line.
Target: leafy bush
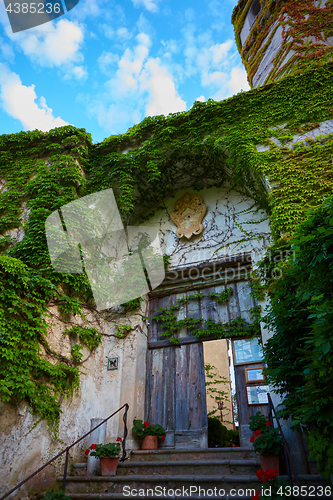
(300, 353)
(56, 495)
(219, 435)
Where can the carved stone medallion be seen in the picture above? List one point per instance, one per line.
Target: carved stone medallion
(188, 213)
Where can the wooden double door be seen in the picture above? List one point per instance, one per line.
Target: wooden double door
(175, 384)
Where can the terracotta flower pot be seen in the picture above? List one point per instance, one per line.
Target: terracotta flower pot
(269, 462)
(109, 465)
(149, 443)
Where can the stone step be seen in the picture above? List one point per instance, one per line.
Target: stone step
(120, 496)
(226, 485)
(192, 454)
(188, 467)
(184, 467)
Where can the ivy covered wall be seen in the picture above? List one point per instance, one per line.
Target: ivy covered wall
(247, 140)
(283, 37)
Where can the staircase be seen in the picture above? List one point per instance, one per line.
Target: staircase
(203, 473)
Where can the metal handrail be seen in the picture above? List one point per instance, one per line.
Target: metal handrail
(66, 450)
(290, 464)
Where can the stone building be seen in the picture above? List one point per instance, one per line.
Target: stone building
(257, 162)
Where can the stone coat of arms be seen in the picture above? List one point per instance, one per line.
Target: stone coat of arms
(188, 213)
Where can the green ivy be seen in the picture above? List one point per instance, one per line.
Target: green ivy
(122, 330)
(89, 336)
(30, 369)
(209, 145)
(200, 327)
(300, 353)
(299, 20)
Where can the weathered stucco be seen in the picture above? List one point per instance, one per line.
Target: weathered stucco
(231, 226)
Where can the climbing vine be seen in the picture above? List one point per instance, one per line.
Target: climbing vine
(213, 381)
(200, 327)
(211, 144)
(37, 176)
(304, 37)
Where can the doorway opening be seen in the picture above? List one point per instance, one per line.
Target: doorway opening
(221, 399)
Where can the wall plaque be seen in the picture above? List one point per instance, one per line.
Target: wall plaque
(188, 213)
(112, 363)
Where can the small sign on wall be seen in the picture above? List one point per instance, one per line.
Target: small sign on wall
(112, 363)
(257, 394)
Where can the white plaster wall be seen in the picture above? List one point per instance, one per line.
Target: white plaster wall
(232, 226)
(101, 392)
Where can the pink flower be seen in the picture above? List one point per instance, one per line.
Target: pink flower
(119, 439)
(87, 452)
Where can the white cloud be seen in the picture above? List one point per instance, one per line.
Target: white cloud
(123, 33)
(150, 5)
(106, 60)
(129, 67)
(141, 86)
(19, 102)
(201, 98)
(236, 83)
(7, 51)
(163, 97)
(87, 8)
(54, 45)
(78, 72)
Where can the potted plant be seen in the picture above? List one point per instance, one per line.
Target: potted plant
(108, 455)
(266, 441)
(150, 433)
(272, 487)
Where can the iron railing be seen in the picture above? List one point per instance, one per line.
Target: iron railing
(289, 462)
(66, 450)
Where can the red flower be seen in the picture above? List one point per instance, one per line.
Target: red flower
(256, 496)
(255, 435)
(260, 474)
(87, 452)
(119, 439)
(268, 423)
(93, 447)
(163, 438)
(145, 424)
(270, 474)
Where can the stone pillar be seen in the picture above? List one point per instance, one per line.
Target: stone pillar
(96, 437)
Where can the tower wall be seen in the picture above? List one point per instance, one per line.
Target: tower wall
(277, 38)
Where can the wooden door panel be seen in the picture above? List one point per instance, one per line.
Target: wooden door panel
(176, 394)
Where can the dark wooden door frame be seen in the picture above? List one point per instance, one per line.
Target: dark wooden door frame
(164, 401)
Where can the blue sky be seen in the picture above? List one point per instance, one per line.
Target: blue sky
(105, 65)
